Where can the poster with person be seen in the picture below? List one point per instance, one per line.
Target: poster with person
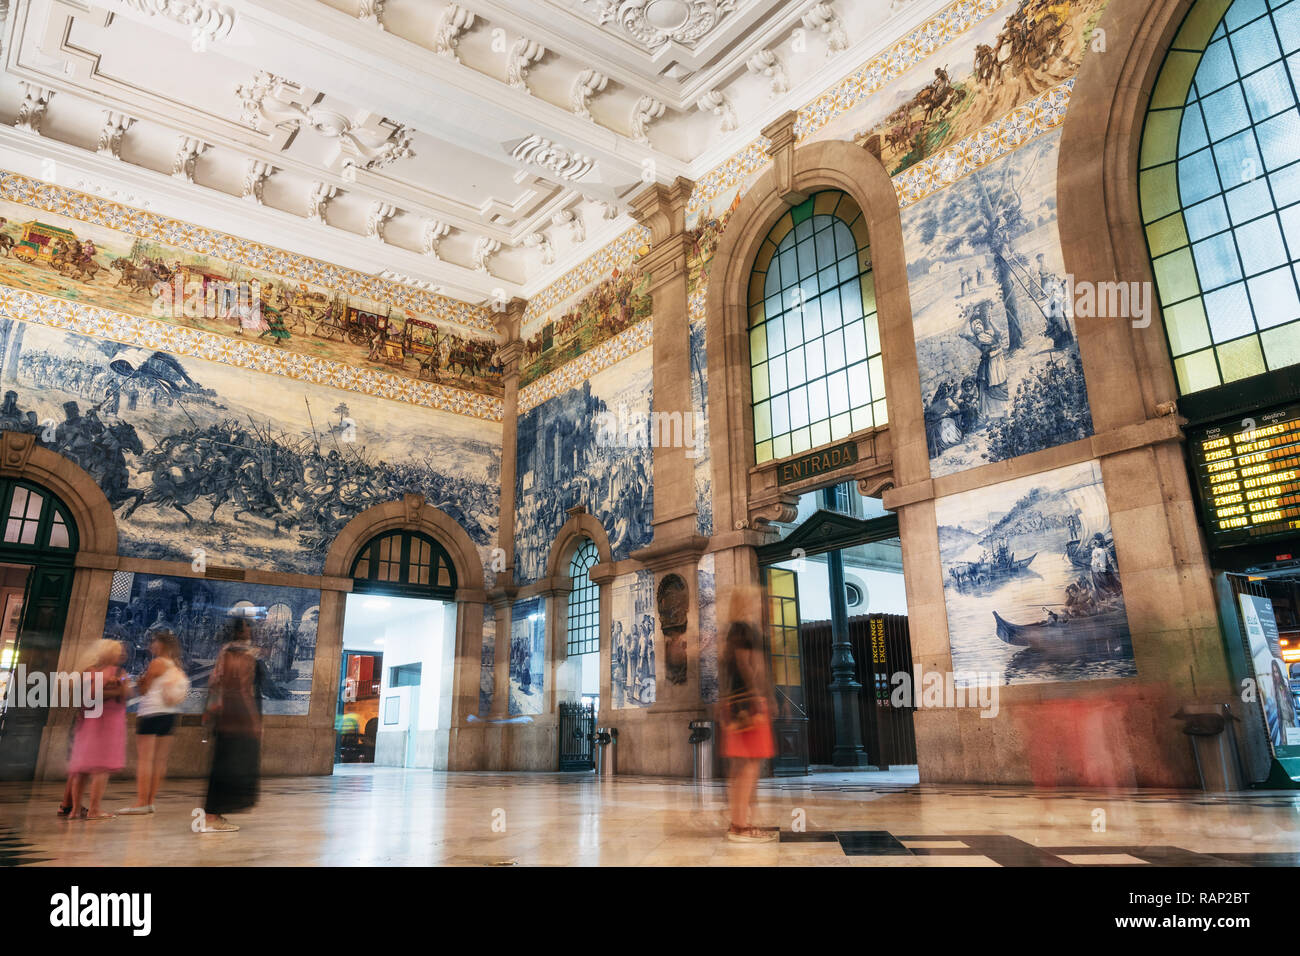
(1270, 671)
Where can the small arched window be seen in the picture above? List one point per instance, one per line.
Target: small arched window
(814, 344)
(1220, 191)
(35, 520)
(407, 563)
(584, 601)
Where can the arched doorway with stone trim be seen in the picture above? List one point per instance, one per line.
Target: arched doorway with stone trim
(758, 489)
(577, 587)
(64, 532)
(408, 595)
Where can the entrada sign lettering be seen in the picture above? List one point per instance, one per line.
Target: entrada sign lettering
(817, 463)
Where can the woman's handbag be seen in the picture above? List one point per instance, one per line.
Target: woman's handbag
(740, 711)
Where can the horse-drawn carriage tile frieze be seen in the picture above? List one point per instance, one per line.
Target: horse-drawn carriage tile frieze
(346, 322)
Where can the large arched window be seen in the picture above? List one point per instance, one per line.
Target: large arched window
(814, 344)
(584, 601)
(1220, 190)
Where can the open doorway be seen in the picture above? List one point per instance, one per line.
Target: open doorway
(395, 678)
(391, 681)
(837, 631)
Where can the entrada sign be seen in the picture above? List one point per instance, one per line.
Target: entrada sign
(817, 463)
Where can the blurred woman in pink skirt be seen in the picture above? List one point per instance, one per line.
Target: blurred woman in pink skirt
(99, 747)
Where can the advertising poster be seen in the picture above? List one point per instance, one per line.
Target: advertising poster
(1270, 671)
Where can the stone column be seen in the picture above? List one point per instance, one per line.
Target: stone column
(508, 355)
(657, 742)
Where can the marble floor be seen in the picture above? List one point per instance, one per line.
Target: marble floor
(387, 817)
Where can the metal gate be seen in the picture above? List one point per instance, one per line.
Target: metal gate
(882, 646)
(577, 725)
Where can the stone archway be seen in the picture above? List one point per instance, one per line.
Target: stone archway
(797, 172)
(413, 513)
(21, 456)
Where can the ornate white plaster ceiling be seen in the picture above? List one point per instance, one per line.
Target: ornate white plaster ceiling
(482, 147)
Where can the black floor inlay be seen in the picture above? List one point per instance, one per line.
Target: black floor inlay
(809, 836)
(870, 843)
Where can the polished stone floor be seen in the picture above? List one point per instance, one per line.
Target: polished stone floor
(387, 817)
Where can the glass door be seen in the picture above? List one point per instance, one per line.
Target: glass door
(790, 724)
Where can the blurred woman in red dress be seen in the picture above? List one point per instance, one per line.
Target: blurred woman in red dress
(746, 714)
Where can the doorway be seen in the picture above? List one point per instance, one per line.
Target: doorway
(395, 678)
(38, 546)
(837, 630)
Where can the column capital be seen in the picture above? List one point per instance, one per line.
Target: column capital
(662, 208)
(509, 320)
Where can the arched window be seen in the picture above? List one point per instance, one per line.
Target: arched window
(35, 520)
(406, 563)
(814, 345)
(584, 601)
(1220, 191)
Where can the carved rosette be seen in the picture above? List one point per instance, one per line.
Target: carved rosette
(653, 23)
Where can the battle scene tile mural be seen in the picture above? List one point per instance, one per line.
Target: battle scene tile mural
(1031, 583)
(197, 461)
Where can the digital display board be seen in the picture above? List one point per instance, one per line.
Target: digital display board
(1248, 475)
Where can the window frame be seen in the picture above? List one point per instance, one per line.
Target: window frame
(52, 507)
(370, 582)
(796, 400)
(583, 601)
(1165, 231)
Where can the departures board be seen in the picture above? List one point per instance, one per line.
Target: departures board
(1248, 475)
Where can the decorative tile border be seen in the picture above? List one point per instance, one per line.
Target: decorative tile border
(574, 373)
(731, 173)
(936, 32)
(618, 254)
(150, 334)
(95, 210)
(844, 95)
(1042, 114)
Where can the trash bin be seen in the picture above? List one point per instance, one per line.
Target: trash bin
(1214, 745)
(606, 740)
(702, 740)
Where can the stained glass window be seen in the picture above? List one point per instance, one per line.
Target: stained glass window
(584, 601)
(814, 344)
(1220, 191)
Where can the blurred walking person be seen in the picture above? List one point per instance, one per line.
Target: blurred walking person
(162, 688)
(99, 744)
(234, 718)
(746, 715)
